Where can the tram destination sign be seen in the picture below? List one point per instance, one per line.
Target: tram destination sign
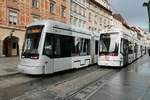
(34, 29)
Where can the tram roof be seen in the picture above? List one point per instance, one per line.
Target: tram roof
(56, 24)
(111, 29)
(80, 30)
(47, 22)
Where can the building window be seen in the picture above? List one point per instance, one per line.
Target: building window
(79, 10)
(100, 21)
(84, 23)
(79, 22)
(52, 7)
(89, 16)
(63, 11)
(75, 21)
(72, 6)
(84, 12)
(104, 22)
(95, 19)
(108, 23)
(12, 18)
(89, 28)
(35, 3)
(75, 8)
(71, 19)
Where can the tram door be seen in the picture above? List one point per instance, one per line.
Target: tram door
(62, 52)
(58, 49)
(48, 51)
(125, 52)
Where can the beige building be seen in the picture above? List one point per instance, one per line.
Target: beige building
(16, 14)
(78, 13)
(118, 21)
(93, 15)
(99, 15)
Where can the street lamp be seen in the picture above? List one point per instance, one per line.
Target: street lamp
(148, 9)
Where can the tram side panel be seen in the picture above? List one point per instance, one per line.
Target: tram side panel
(69, 52)
(81, 53)
(95, 48)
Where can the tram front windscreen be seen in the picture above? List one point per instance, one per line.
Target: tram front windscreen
(109, 44)
(31, 43)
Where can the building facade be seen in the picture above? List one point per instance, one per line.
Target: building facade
(118, 21)
(78, 13)
(99, 15)
(16, 14)
(93, 15)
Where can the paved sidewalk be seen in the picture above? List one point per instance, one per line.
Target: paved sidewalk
(132, 83)
(8, 65)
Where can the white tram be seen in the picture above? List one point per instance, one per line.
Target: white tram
(118, 48)
(52, 46)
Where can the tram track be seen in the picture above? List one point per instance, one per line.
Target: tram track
(23, 84)
(54, 90)
(86, 91)
(45, 77)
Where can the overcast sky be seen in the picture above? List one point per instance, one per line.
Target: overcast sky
(132, 10)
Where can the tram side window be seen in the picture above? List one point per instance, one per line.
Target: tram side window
(80, 47)
(141, 49)
(48, 46)
(62, 46)
(57, 47)
(135, 48)
(66, 43)
(125, 46)
(121, 46)
(86, 47)
(130, 48)
(76, 46)
(96, 47)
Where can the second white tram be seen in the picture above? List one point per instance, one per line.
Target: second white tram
(52, 46)
(118, 48)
